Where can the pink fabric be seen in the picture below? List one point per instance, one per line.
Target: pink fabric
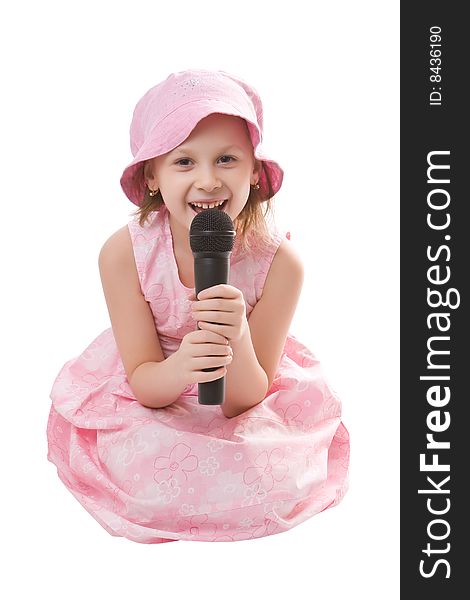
(186, 472)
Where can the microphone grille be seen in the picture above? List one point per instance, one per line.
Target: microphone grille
(212, 230)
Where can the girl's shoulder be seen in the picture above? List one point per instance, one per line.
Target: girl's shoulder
(130, 246)
(117, 249)
(154, 226)
(287, 253)
(286, 263)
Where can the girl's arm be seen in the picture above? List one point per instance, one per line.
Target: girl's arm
(256, 355)
(157, 384)
(153, 379)
(246, 383)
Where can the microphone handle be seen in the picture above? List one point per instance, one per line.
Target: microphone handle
(211, 268)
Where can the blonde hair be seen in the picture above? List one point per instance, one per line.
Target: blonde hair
(250, 225)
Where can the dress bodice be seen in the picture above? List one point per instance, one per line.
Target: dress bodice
(168, 296)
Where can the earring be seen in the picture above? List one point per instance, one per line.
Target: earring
(256, 186)
(153, 192)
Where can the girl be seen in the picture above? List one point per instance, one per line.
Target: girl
(126, 431)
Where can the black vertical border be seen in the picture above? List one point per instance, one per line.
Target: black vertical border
(424, 129)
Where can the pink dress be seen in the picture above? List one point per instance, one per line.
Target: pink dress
(185, 471)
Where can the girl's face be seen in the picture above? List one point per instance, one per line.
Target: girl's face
(215, 162)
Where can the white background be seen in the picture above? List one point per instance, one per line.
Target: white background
(328, 77)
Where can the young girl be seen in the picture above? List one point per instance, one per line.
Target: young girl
(126, 431)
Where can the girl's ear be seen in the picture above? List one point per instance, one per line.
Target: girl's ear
(257, 168)
(148, 172)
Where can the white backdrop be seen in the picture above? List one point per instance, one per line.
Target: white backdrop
(328, 77)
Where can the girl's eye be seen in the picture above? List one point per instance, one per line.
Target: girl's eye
(231, 157)
(186, 159)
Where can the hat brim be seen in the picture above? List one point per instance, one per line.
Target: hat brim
(171, 132)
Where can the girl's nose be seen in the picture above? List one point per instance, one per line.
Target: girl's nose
(207, 181)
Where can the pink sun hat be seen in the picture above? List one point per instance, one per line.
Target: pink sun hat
(165, 116)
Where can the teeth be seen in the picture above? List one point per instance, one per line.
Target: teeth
(207, 205)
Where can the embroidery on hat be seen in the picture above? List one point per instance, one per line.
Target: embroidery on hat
(189, 84)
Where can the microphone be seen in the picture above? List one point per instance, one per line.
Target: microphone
(211, 237)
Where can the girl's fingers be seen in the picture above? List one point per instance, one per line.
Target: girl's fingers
(221, 290)
(211, 376)
(213, 337)
(213, 350)
(224, 330)
(213, 317)
(206, 362)
(215, 304)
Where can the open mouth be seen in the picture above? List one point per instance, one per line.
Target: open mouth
(198, 209)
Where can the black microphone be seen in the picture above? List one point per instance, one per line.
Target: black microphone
(211, 237)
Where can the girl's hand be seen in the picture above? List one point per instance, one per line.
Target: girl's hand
(203, 350)
(221, 309)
